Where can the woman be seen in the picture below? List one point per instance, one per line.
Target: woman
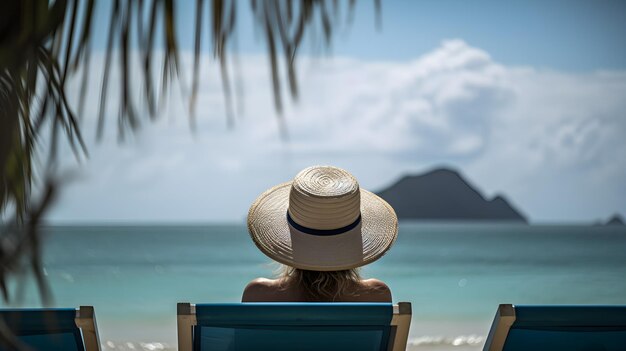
(321, 226)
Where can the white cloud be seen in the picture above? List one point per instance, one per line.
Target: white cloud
(553, 141)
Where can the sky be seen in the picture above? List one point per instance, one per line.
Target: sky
(524, 98)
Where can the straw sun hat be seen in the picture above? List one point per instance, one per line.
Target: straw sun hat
(322, 221)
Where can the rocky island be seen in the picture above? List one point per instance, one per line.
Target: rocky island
(443, 194)
(615, 220)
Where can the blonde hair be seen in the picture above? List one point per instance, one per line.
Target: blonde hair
(321, 286)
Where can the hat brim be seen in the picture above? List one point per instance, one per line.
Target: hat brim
(272, 234)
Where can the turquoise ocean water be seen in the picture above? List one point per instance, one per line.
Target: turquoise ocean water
(454, 274)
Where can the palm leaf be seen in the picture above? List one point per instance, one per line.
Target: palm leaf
(44, 43)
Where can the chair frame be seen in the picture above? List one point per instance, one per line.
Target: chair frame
(562, 316)
(400, 323)
(504, 319)
(86, 321)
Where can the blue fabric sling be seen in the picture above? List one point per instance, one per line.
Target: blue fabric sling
(575, 328)
(50, 329)
(293, 326)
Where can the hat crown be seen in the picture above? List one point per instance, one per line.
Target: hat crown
(324, 198)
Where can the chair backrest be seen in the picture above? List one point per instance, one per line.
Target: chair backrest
(584, 328)
(293, 326)
(50, 329)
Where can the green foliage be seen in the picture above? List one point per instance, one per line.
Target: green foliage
(43, 44)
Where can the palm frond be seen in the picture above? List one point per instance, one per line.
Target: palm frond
(43, 44)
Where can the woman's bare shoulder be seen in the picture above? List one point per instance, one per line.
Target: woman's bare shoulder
(375, 290)
(261, 290)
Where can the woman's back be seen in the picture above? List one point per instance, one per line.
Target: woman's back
(279, 290)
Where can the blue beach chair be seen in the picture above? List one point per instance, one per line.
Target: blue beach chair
(293, 326)
(51, 329)
(572, 328)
